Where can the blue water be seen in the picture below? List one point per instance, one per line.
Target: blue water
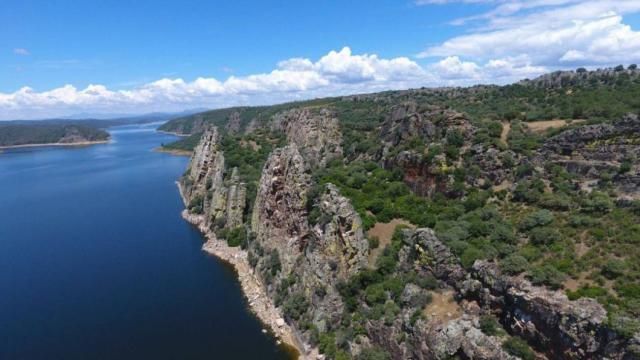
(96, 262)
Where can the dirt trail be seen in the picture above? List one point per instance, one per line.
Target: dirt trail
(506, 129)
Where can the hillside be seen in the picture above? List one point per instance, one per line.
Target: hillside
(518, 210)
(12, 134)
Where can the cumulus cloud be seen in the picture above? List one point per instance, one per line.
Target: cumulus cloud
(336, 73)
(550, 33)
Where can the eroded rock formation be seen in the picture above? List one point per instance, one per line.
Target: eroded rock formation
(315, 132)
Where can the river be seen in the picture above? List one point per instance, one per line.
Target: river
(97, 263)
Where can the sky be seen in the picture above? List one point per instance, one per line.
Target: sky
(64, 57)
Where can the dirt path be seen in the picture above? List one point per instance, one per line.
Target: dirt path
(506, 129)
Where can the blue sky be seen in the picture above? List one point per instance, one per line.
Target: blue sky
(59, 57)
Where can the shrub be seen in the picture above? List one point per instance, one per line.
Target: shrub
(538, 218)
(597, 202)
(588, 291)
(295, 305)
(547, 275)
(374, 242)
(518, 347)
(544, 236)
(470, 255)
(514, 264)
(613, 269)
(489, 325)
(373, 353)
(375, 294)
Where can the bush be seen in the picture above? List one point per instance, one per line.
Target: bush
(514, 264)
(375, 294)
(518, 347)
(597, 202)
(470, 255)
(538, 218)
(295, 306)
(547, 275)
(613, 269)
(373, 353)
(489, 325)
(593, 292)
(544, 236)
(374, 242)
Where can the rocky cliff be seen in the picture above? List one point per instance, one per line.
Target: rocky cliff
(315, 132)
(221, 202)
(300, 226)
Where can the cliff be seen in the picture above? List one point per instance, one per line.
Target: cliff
(523, 243)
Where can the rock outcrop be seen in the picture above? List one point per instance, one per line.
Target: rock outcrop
(547, 319)
(336, 251)
(204, 187)
(315, 132)
(593, 150)
(279, 215)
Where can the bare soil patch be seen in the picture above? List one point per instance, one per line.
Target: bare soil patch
(542, 126)
(443, 306)
(384, 233)
(506, 129)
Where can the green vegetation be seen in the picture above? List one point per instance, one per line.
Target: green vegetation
(45, 133)
(248, 153)
(187, 143)
(518, 347)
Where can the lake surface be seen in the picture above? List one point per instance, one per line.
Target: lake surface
(96, 262)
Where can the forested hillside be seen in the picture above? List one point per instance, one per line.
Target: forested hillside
(12, 134)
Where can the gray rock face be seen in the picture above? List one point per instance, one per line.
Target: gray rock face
(432, 125)
(591, 150)
(463, 336)
(223, 203)
(279, 215)
(316, 133)
(548, 319)
(560, 79)
(553, 324)
(233, 125)
(405, 122)
(337, 250)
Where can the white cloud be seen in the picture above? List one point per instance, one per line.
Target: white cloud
(21, 51)
(550, 33)
(337, 73)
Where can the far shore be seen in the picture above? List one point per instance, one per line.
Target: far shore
(80, 143)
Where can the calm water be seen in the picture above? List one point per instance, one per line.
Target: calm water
(96, 262)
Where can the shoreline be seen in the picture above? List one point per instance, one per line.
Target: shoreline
(172, 133)
(175, 152)
(258, 300)
(81, 143)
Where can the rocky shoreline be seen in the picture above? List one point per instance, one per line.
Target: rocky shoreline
(259, 301)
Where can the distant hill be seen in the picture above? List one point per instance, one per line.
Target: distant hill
(13, 134)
